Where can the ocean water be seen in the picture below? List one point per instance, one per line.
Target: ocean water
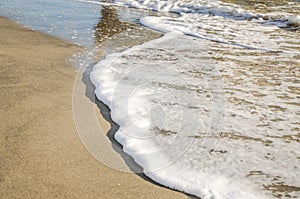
(70, 20)
(212, 107)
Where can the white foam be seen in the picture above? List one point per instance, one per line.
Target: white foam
(294, 20)
(151, 87)
(167, 95)
(216, 8)
(239, 33)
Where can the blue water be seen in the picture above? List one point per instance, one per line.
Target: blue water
(70, 20)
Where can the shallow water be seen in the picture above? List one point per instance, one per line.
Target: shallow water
(68, 20)
(284, 6)
(74, 21)
(212, 107)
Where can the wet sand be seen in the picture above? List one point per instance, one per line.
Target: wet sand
(41, 155)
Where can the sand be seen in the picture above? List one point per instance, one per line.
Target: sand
(41, 155)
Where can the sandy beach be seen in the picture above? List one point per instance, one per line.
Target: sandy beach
(41, 155)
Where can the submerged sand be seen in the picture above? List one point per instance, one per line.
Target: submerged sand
(41, 155)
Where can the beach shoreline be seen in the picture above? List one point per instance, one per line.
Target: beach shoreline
(41, 153)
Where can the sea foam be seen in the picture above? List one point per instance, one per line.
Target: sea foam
(215, 8)
(211, 108)
(160, 110)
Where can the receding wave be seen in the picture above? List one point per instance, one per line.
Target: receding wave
(212, 107)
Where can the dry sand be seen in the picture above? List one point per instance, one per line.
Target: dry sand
(41, 155)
